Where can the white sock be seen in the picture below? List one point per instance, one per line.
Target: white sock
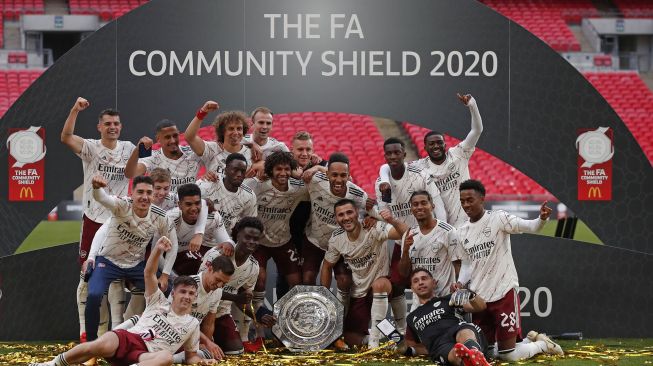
(104, 317)
(379, 311)
(343, 297)
(136, 305)
(130, 322)
(398, 305)
(242, 321)
(82, 293)
(116, 299)
(258, 299)
(179, 357)
(522, 351)
(60, 360)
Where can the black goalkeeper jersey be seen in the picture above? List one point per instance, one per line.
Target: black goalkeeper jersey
(432, 320)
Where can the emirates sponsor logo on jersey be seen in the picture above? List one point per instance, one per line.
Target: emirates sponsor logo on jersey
(482, 250)
(451, 181)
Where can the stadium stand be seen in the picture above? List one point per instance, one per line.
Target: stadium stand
(105, 9)
(635, 8)
(632, 100)
(12, 9)
(13, 83)
(547, 19)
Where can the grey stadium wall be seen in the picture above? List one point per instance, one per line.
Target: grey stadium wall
(532, 106)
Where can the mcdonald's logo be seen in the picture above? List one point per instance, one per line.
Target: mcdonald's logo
(594, 192)
(26, 192)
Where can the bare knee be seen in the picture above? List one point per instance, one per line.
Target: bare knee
(464, 335)
(381, 285)
(343, 281)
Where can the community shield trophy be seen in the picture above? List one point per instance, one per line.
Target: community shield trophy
(309, 318)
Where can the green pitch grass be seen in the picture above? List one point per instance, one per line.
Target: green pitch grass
(52, 233)
(609, 352)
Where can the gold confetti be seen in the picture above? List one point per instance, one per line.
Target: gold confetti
(12, 354)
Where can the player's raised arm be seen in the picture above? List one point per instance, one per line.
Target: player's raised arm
(516, 225)
(74, 142)
(477, 123)
(149, 274)
(134, 168)
(195, 142)
(405, 264)
(398, 227)
(100, 195)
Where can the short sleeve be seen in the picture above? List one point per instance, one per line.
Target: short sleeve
(332, 254)
(192, 344)
(148, 162)
(452, 245)
(89, 150)
(215, 300)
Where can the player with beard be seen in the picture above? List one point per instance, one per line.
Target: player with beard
(182, 163)
(237, 293)
(107, 157)
(230, 128)
(489, 270)
(230, 197)
(186, 218)
(404, 179)
(163, 328)
(437, 329)
(447, 167)
(277, 198)
(430, 245)
(325, 190)
(133, 222)
(365, 251)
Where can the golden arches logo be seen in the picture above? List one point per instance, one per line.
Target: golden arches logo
(594, 192)
(26, 192)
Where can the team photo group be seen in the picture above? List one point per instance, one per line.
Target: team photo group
(176, 240)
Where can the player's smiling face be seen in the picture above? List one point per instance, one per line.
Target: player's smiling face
(302, 151)
(262, 124)
(347, 217)
(142, 196)
(421, 206)
(435, 147)
(183, 297)
(233, 133)
(472, 203)
(338, 174)
(161, 190)
(247, 239)
(168, 138)
(281, 173)
(235, 173)
(190, 208)
(422, 284)
(109, 127)
(214, 279)
(394, 155)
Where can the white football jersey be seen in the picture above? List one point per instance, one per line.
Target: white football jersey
(275, 208)
(214, 230)
(414, 179)
(271, 146)
(170, 201)
(205, 302)
(244, 276)
(183, 170)
(485, 244)
(367, 256)
(232, 206)
(323, 219)
(163, 330)
(215, 157)
(447, 177)
(128, 235)
(434, 251)
(97, 159)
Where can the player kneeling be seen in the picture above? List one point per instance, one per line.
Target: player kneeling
(439, 326)
(163, 328)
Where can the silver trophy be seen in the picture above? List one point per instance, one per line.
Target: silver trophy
(309, 318)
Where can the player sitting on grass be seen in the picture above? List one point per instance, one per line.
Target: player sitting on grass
(437, 329)
(162, 329)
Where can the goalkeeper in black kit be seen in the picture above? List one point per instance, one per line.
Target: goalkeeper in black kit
(437, 328)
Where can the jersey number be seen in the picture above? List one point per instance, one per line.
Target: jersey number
(508, 320)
